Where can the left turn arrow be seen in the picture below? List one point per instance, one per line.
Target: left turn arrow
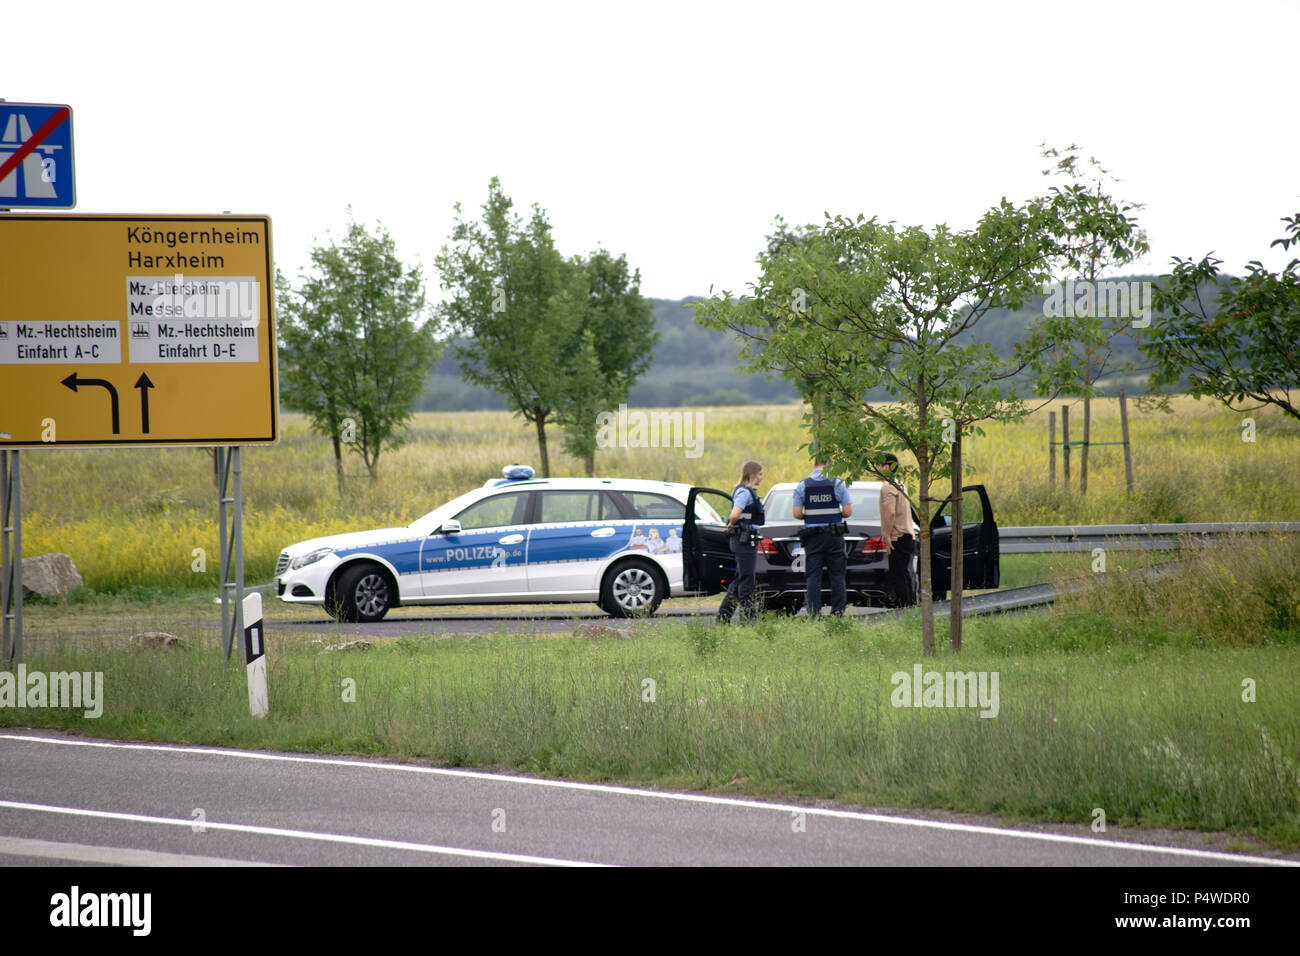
(72, 382)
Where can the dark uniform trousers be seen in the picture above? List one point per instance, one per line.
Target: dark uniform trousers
(823, 549)
(900, 570)
(740, 592)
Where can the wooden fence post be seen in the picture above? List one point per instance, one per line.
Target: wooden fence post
(1128, 455)
(1051, 449)
(1065, 438)
(1083, 457)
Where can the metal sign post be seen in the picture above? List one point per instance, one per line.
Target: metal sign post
(11, 557)
(232, 546)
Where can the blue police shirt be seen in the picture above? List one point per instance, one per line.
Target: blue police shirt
(841, 497)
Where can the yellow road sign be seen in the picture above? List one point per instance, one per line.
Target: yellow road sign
(136, 330)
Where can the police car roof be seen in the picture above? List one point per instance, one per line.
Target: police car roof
(616, 484)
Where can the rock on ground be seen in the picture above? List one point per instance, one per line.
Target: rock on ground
(50, 575)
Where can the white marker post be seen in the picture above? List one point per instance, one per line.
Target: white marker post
(255, 655)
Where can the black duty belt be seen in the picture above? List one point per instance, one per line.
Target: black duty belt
(839, 529)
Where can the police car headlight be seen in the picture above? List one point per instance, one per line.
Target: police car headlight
(310, 558)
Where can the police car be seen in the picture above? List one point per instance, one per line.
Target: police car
(623, 543)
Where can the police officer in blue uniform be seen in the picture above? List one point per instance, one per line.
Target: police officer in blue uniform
(823, 503)
(742, 525)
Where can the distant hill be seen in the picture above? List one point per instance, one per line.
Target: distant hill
(697, 366)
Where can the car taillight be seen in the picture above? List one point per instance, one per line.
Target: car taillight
(767, 546)
(873, 545)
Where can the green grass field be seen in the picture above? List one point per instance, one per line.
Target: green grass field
(134, 518)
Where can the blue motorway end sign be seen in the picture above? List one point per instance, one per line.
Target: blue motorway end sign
(36, 156)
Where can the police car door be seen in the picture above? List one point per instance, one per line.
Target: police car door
(576, 532)
(486, 556)
(707, 562)
(979, 544)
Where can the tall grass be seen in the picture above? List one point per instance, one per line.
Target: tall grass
(1245, 591)
(133, 518)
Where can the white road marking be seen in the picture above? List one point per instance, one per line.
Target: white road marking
(294, 834)
(668, 795)
(112, 855)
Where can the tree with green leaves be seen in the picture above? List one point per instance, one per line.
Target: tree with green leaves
(518, 301)
(354, 354)
(859, 305)
(1093, 216)
(614, 346)
(1237, 339)
(560, 338)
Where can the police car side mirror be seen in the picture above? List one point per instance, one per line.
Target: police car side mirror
(450, 526)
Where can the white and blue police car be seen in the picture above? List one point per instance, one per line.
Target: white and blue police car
(621, 542)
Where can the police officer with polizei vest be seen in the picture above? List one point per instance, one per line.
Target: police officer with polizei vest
(823, 503)
(742, 527)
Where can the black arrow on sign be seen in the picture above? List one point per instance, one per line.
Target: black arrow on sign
(143, 384)
(72, 382)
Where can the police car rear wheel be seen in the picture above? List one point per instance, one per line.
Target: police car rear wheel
(632, 589)
(364, 594)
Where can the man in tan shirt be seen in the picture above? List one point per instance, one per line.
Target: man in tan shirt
(896, 530)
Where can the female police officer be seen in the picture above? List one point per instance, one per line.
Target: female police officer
(746, 516)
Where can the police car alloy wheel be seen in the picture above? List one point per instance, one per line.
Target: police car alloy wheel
(364, 594)
(632, 590)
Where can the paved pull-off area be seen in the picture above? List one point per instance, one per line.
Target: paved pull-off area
(79, 800)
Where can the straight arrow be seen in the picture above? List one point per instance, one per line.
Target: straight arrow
(72, 382)
(143, 384)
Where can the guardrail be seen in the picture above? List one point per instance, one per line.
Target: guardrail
(1131, 537)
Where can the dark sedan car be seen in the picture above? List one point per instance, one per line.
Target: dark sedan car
(709, 564)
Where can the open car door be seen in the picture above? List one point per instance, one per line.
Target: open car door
(980, 555)
(707, 562)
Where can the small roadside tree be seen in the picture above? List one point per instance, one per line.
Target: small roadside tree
(1242, 346)
(354, 354)
(560, 338)
(1092, 219)
(614, 347)
(862, 305)
(519, 302)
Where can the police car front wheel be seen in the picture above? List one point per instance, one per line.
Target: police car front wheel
(363, 594)
(632, 589)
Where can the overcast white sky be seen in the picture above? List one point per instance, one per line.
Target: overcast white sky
(672, 132)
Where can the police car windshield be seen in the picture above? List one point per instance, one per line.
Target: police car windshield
(779, 506)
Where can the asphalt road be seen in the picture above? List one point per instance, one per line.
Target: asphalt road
(78, 800)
